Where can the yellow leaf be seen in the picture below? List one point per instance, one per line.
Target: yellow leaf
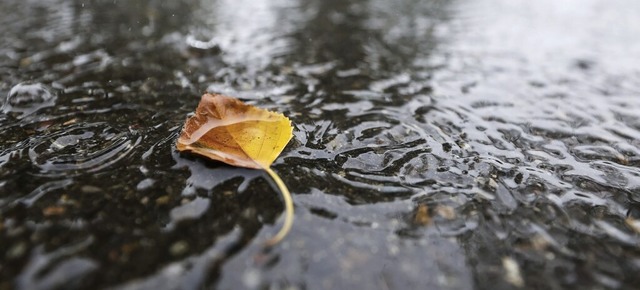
(228, 130)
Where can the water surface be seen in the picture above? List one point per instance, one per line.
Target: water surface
(438, 144)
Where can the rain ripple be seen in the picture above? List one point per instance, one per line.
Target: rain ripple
(82, 148)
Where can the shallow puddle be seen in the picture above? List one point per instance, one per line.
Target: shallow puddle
(437, 144)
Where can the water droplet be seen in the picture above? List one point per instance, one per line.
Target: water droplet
(26, 98)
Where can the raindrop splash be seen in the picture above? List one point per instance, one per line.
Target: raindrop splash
(26, 98)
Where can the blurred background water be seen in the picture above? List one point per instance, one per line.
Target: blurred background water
(459, 144)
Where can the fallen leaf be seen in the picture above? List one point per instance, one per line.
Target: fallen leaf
(422, 215)
(226, 129)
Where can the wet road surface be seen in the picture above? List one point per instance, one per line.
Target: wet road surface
(438, 144)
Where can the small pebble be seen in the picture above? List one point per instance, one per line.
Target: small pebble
(634, 224)
(53, 211)
(90, 189)
(16, 251)
(179, 248)
(512, 272)
(70, 122)
(493, 184)
(446, 212)
(162, 200)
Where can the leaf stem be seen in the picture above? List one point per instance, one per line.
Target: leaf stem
(288, 204)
